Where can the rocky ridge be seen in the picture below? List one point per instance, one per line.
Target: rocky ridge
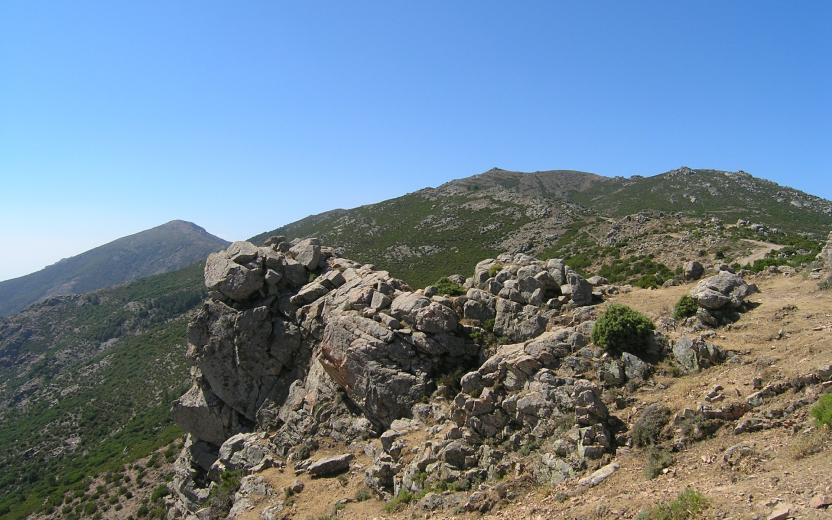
(299, 342)
(297, 346)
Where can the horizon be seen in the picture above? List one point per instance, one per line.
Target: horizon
(130, 233)
(115, 118)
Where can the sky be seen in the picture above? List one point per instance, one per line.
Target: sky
(116, 116)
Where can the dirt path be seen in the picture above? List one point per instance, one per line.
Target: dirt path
(763, 249)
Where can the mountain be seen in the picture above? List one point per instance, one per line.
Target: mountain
(86, 383)
(86, 379)
(161, 249)
(433, 232)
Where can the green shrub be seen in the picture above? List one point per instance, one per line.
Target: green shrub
(159, 493)
(685, 307)
(650, 281)
(657, 460)
(400, 501)
(488, 325)
(448, 288)
(494, 269)
(622, 329)
(688, 505)
(363, 493)
(822, 411)
(647, 429)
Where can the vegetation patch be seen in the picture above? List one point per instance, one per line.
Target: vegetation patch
(647, 430)
(688, 505)
(685, 307)
(622, 329)
(657, 460)
(448, 288)
(822, 411)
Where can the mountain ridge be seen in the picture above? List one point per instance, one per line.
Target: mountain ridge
(164, 248)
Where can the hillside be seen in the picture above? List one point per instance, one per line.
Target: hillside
(430, 233)
(325, 388)
(86, 383)
(161, 249)
(58, 355)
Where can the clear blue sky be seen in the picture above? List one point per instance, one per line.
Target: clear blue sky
(116, 115)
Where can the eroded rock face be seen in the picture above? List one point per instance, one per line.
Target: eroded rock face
(299, 342)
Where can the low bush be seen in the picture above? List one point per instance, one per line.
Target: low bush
(805, 445)
(400, 501)
(494, 269)
(685, 307)
(657, 460)
(688, 505)
(647, 429)
(622, 329)
(822, 411)
(448, 288)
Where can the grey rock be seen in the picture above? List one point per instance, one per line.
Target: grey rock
(330, 466)
(241, 252)
(694, 355)
(581, 290)
(693, 270)
(307, 253)
(309, 293)
(233, 280)
(634, 367)
(599, 475)
(436, 318)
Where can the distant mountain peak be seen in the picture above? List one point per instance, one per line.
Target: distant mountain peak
(164, 248)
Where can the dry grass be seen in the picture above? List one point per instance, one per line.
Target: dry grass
(808, 444)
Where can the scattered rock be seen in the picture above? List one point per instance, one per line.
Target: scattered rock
(330, 466)
(780, 512)
(599, 475)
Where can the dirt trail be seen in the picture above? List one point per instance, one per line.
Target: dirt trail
(763, 248)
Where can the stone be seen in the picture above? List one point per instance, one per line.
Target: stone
(436, 318)
(781, 512)
(202, 413)
(307, 253)
(693, 270)
(723, 289)
(825, 255)
(233, 280)
(241, 252)
(634, 367)
(380, 301)
(695, 355)
(309, 293)
(330, 466)
(820, 501)
(597, 281)
(599, 475)
(581, 290)
(405, 305)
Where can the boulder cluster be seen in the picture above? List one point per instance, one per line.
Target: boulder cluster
(296, 346)
(721, 298)
(302, 343)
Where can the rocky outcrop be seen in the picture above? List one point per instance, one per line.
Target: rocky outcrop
(694, 355)
(300, 342)
(721, 298)
(825, 255)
